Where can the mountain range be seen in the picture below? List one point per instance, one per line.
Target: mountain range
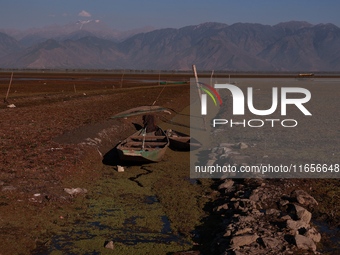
(287, 46)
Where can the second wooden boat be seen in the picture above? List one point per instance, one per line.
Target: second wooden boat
(182, 142)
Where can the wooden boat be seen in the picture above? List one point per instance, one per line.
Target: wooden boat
(182, 142)
(143, 147)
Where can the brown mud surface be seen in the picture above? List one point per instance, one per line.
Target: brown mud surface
(49, 142)
(44, 147)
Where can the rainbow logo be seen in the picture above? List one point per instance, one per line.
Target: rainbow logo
(212, 92)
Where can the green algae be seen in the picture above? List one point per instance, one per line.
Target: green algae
(154, 216)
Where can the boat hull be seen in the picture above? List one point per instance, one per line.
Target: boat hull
(141, 155)
(147, 148)
(182, 142)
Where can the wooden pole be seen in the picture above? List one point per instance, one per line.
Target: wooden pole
(199, 92)
(9, 87)
(196, 77)
(211, 77)
(159, 78)
(121, 81)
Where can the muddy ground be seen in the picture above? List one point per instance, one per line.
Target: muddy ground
(60, 135)
(44, 149)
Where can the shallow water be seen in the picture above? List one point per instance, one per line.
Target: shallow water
(330, 237)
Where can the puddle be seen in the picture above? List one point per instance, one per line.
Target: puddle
(130, 234)
(166, 225)
(193, 181)
(330, 237)
(151, 200)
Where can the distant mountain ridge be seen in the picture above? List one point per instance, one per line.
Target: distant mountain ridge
(82, 27)
(287, 46)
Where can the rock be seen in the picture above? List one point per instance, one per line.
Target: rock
(270, 242)
(110, 245)
(227, 150)
(243, 231)
(234, 153)
(295, 225)
(214, 150)
(213, 156)
(120, 169)
(38, 198)
(303, 214)
(227, 184)
(242, 146)
(313, 234)
(226, 145)
(273, 212)
(235, 159)
(211, 162)
(224, 156)
(238, 241)
(304, 243)
(254, 196)
(303, 198)
(246, 201)
(222, 207)
(264, 197)
(286, 217)
(219, 150)
(253, 224)
(257, 212)
(11, 106)
(224, 176)
(283, 202)
(246, 219)
(8, 188)
(75, 191)
(227, 233)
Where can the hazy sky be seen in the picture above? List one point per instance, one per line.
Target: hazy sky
(130, 14)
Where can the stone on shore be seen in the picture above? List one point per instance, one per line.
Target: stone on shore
(313, 234)
(75, 191)
(227, 184)
(303, 214)
(238, 241)
(304, 243)
(110, 245)
(304, 198)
